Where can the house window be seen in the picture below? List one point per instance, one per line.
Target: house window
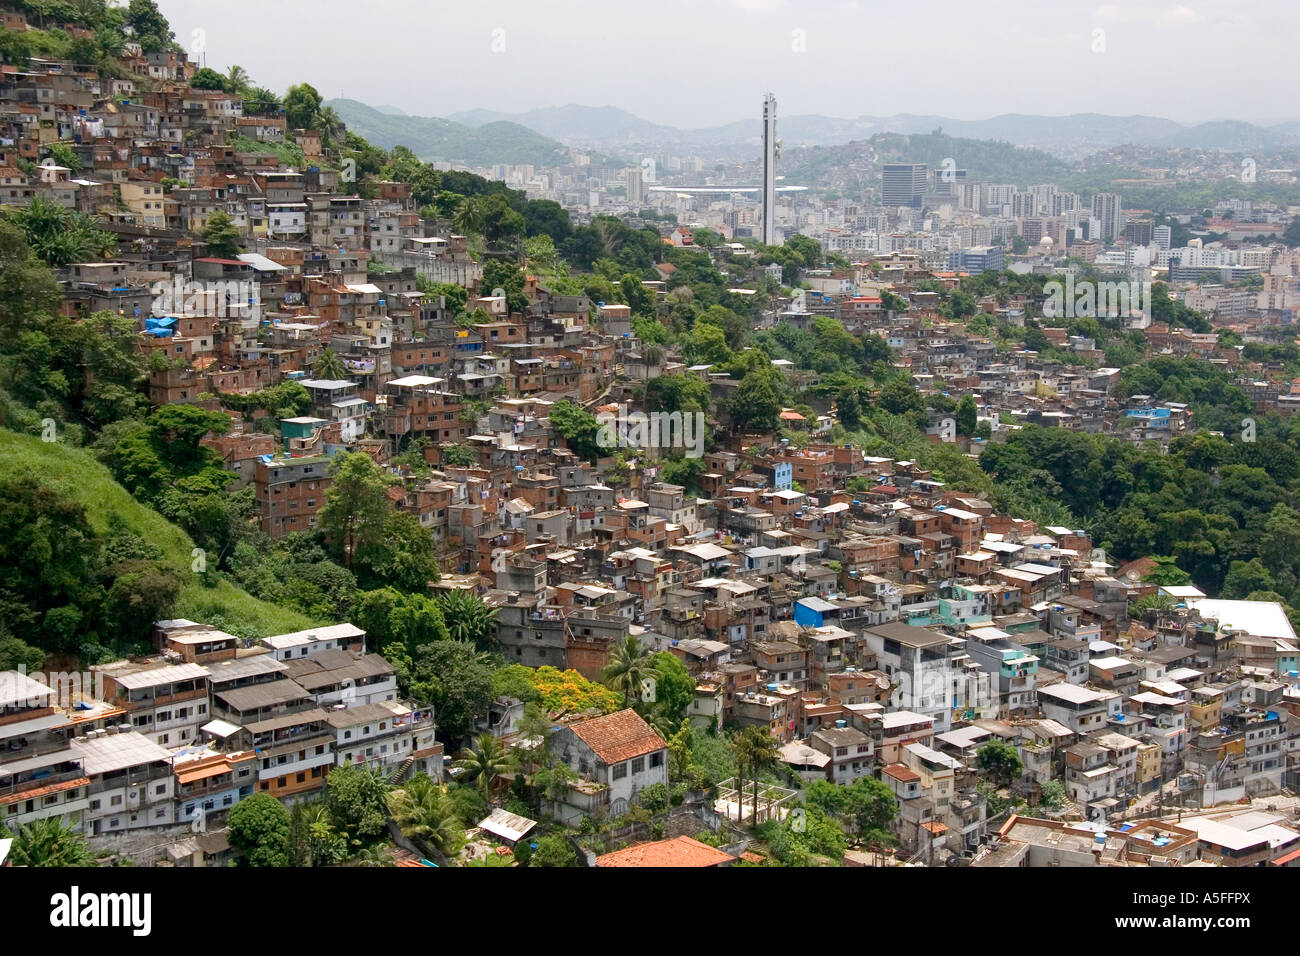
(657, 759)
(619, 771)
(638, 765)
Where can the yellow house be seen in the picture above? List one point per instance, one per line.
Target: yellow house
(1205, 710)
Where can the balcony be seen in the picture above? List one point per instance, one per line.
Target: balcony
(34, 783)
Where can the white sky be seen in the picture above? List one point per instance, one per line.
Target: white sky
(693, 63)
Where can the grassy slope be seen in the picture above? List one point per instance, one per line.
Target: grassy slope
(76, 472)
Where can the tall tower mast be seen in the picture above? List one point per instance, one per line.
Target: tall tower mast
(769, 170)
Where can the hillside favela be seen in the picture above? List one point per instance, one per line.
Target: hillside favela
(481, 481)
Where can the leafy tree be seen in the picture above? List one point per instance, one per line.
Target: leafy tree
(356, 510)
(259, 826)
(1053, 794)
(450, 676)
(459, 456)
(756, 402)
(999, 760)
(301, 104)
(1246, 576)
(410, 620)
(899, 396)
(17, 654)
(356, 797)
(674, 687)
(27, 286)
(640, 298)
(222, 236)
(578, 426)
(207, 79)
(502, 225)
(553, 850)
(966, 416)
(148, 25)
(506, 276)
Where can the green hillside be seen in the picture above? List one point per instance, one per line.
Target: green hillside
(75, 472)
(987, 160)
(432, 138)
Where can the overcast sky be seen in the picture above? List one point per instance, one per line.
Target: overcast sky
(692, 63)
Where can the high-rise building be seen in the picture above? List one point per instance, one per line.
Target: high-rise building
(769, 170)
(903, 184)
(1162, 236)
(635, 194)
(949, 181)
(1108, 209)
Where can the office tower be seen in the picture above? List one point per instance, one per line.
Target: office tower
(1107, 208)
(1162, 236)
(903, 184)
(632, 179)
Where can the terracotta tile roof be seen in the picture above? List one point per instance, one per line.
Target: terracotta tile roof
(618, 737)
(46, 790)
(682, 851)
(901, 772)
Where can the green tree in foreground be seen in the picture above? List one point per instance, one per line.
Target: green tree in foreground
(49, 842)
(357, 801)
(259, 826)
(553, 851)
(425, 813)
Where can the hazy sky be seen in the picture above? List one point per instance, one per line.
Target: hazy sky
(692, 63)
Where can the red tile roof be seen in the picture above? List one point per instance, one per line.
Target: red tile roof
(901, 772)
(618, 737)
(682, 851)
(46, 790)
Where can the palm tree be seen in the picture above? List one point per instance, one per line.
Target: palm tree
(756, 750)
(468, 218)
(59, 235)
(377, 855)
(468, 618)
(484, 762)
(425, 814)
(236, 79)
(50, 842)
(329, 124)
(629, 664)
(329, 366)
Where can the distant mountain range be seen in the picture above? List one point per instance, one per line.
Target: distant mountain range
(610, 128)
(431, 138)
(483, 137)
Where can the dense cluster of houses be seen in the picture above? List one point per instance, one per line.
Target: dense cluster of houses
(891, 632)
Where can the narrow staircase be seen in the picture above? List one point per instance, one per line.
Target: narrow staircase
(400, 773)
